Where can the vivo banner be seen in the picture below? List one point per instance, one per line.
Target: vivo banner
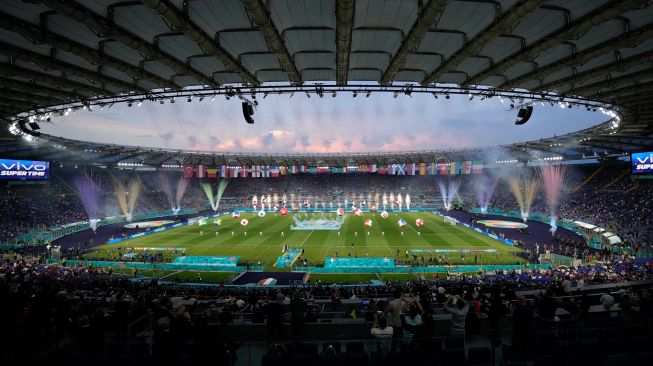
(642, 163)
(24, 169)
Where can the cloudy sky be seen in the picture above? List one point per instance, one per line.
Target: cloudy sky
(318, 125)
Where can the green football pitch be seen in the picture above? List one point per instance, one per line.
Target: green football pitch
(264, 238)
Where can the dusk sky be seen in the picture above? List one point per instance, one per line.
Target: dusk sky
(319, 125)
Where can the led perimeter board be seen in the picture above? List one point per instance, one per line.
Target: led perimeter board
(642, 163)
(11, 169)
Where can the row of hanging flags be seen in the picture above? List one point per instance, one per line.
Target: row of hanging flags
(266, 171)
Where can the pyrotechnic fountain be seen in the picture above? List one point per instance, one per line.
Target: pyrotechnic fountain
(448, 193)
(127, 197)
(174, 199)
(254, 202)
(392, 201)
(485, 187)
(553, 177)
(89, 193)
(524, 189)
(208, 190)
(269, 202)
(407, 201)
(385, 200)
(400, 201)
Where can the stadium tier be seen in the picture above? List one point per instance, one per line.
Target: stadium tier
(326, 182)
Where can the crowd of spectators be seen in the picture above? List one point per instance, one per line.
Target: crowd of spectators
(92, 307)
(609, 198)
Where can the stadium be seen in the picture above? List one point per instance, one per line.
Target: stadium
(358, 182)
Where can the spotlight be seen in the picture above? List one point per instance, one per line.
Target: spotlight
(172, 100)
(189, 99)
(213, 98)
(333, 94)
(161, 101)
(446, 96)
(355, 94)
(368, 94)
(140, 103)
(435, 95)
(129, 104)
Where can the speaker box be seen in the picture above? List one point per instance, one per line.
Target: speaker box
(248, 112)
(524, 115)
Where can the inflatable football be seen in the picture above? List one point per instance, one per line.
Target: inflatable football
(419, 222)
(244, 222)
(368, 223)
(384, 214)
(235, 214)
(283, 211)
(358, 212)
(341, 211)
(261, 213)
(401, 223)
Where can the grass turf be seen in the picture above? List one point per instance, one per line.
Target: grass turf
(264, 240)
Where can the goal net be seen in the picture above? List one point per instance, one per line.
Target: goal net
(450, 220)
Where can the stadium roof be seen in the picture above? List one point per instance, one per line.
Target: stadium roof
(56, 52)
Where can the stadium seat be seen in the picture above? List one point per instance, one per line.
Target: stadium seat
(618, 359)
(454, 342)
(454, 357)
(274, 360)
(355, 347)
(308, 349)
(356, 359)
(644, 358)
(479, 356)
(301, 360)
(335, 345)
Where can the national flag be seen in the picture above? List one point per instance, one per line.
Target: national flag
(294, 169)
(411, 168)
(303, 169)
(235, 171)
(338, 170)
(454, 168)
(371, 168)
(256, 171)
(265, 171)
(274, 171)
(244, 171)
(382, 169)
(432, 169)
(351, 169)
(322, 169)
(443, 168)
(283, 170)
(200, 171)
(467, 167)
(477, 167)
(311, 169)
(398, 169)
(362, 167)
(188, 171)
(422, 168)
(223, 171)
(211, 172)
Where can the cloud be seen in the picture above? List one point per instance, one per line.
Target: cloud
(166, 137)
(192, 139)
(213, 141)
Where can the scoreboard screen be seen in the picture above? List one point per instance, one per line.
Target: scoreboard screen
(11, 169)
(642, 163)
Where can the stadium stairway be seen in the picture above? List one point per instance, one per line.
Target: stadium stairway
(588, 179)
